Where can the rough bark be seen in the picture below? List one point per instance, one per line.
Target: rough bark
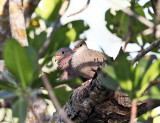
(92, 102)
(5, 32)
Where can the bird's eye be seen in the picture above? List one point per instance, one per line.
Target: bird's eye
(62, 52)
(80, 45)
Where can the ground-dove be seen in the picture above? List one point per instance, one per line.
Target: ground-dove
(63, 56)
(85, 62)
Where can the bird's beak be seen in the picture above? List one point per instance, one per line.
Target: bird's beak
(75, 49)
(57, 58)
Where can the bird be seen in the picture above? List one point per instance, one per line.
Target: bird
(63, 57)
(85, 61)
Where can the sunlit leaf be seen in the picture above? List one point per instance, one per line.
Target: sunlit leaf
(155, 92)
(151, 74)
(50, 9)
(140, 69)
(123, 71)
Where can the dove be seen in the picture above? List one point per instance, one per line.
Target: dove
(63, 56)
(85, 61)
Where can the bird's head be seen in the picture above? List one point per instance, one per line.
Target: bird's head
(80, 45)
(63, 52)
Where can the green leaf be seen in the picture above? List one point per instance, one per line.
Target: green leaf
(63, 95)
(51, 76)
(108, 78)
(155, 92)
(151, 74)
(140, 70)
(9, 78)
(33, 59)
(6, 94)
(18, 62)
(7, 86)
(20, 108)
(123, 71)
(50, 9)
(38, 40)
(137, 77)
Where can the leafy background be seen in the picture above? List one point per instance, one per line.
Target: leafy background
(133, 79)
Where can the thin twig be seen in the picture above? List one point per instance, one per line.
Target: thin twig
(48, 40)
(153, 6)
(138, 17)
(145, 51)
(133, 111)
(84, 8)
(128, 37)
(34, 113)
(53, 98)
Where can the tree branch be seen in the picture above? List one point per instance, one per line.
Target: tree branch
(93, 102)
(153, 6)
(17, 22)
(138, 17)
(34, 113)
(84, 8)
(53, 98)
(156, 19)
(145, 51)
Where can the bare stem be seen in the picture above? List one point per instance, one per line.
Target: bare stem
(53, 97)
(34, 113)
(138, 17)
(145, 51)
(84, 8)
(133, 111)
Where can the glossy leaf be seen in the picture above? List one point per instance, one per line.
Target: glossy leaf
(155, 91)
(151, 74)
(20, 108)
(140, 69)
(18, 62)
(50, 9)
(123, 71)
